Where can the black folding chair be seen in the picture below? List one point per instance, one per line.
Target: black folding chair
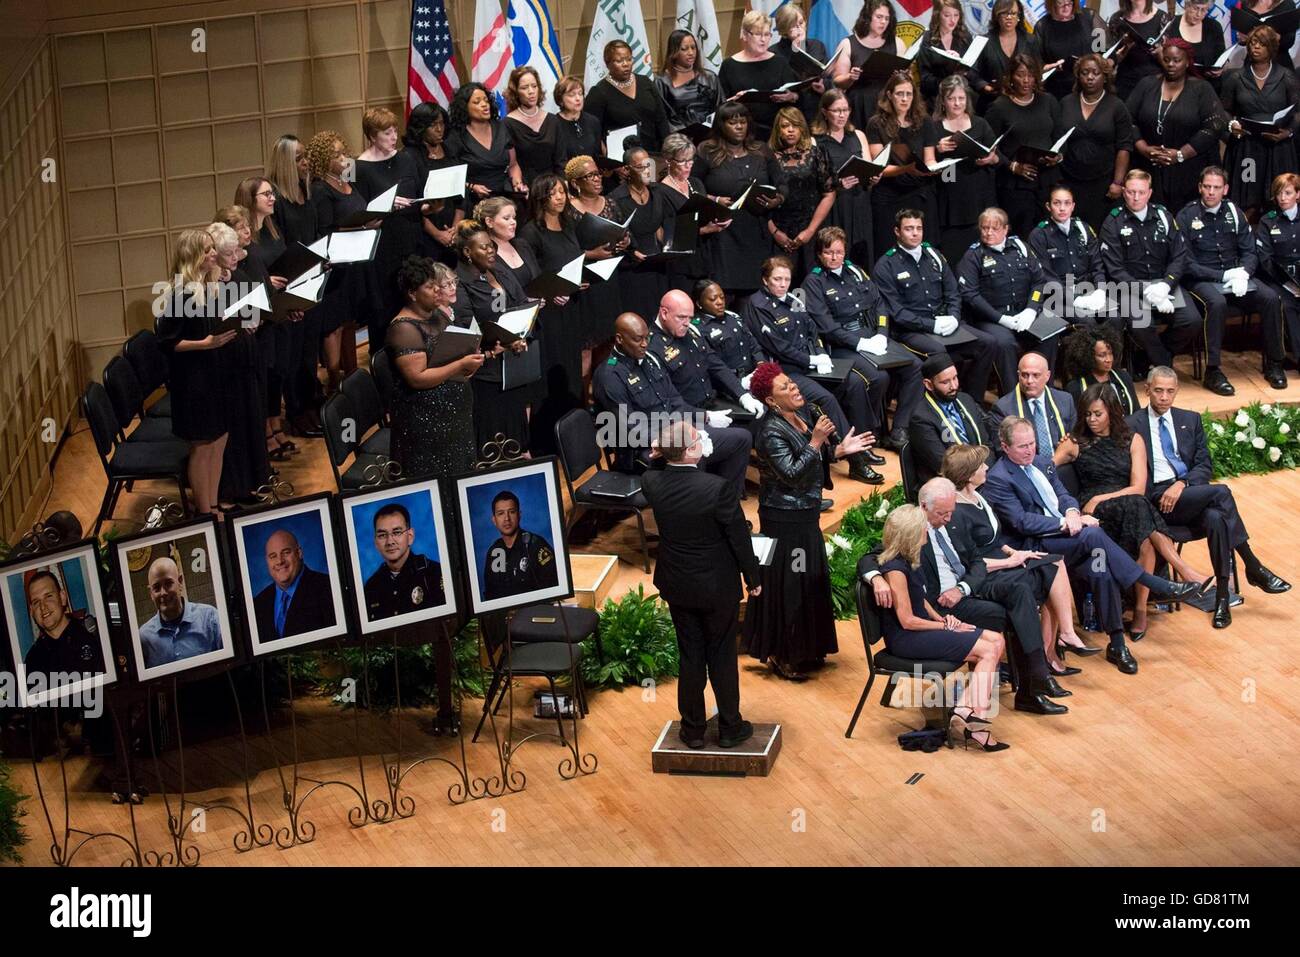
(366, 401)
(150, 366)
(381, 368)
(340, 424)
(127, 398)
(907, 468)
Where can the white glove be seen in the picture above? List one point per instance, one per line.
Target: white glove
(945, 325)
(706, 443)
(1008, 321)
(1154, 293)
(1236, 272)
(744, 380)
(1237, 286)
(1024, 319)
(821, 364)
(876, 345)
(1165, 305)
(752, 404)
(1094, 301)
(718, 420)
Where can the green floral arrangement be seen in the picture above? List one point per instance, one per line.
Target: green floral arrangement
(1262, 437)
(860, 531)
(11, 828)
(637, 643)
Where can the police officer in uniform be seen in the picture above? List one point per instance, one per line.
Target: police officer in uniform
(725, 332)
(63, 643)
(1069, 252)
(407, 581)
(788, 334)
(1277, 239)
(921, 294)
(633, 386)
(848, 312)
(519, 561)
(1141, 244)
(1221, 252)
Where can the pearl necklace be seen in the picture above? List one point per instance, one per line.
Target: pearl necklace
(1267, 70)
(1086, 102)
(624, 84)
(536, 110)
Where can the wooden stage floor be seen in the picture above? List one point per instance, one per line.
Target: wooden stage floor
(1194, 761)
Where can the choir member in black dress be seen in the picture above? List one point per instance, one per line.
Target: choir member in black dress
(1259, 90)
(840, 140)
(1009, 37)
(690, 92)
(793, 29)
(501, 217)
(1064, 35)
(791, 625)
(1261, 7)
(532, 128)
(1178, 121)
(1098, 151)
(726, 163)
(899, 122)
(603, 299)
(755, 67)
(947, 31)
(1112, 473)
(381, 166)
(625, 99)
(579, 132)
(194, 366)
(642, 284)
(287, 170)
(678, 185)
(967, 189)
(483, 293)
(1205, 37)
(1135, 60)
(809, 182)
(480, 139)
(1093, 355)
(1028, 117)
(425, 139)
(873, 30)
(1277, 239)
(433, 407)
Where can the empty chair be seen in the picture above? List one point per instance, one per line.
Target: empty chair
(362, 392)
(907, 468)
(150, 366)
(338, 420)
(127, 397)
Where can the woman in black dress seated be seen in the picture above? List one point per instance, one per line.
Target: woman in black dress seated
(433, 408)
(1094, 354)
(1258, 91)
(966, 466)
(624, 99)
(1112, 471)
(690, 92)
(791, 626)
(913, 629)
(809, 182)
(479, 138)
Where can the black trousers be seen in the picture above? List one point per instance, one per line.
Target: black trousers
(1263, 300)
(821, 397)
(906, 381)
(1290, 319)
(706, 641)
(1010, 346)
(1208, 510)
(975, 359)
(1181, 327)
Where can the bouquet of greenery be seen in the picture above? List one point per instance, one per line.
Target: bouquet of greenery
(1262, 437)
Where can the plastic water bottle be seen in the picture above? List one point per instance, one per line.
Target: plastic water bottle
(1089, 613)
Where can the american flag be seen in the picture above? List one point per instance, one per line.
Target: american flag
(431, 68)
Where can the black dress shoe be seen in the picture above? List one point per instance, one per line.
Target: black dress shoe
(1137, 635)
(1265, 580)
(1181, 591)
(1275, 375)
(1122, 659)
(1223, 612)
(892, 442)
(691, 742)
(1218, 383)
(860, 471)
(1052, 688)
(827, 504)
(871, 458)
(1066, 672)
(740, 735)
(1039, 704)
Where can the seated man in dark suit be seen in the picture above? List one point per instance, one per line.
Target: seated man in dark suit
(946, 416)
(1179, 471)
(1031, 502)
(1050, 410)
(298, 600)
(704, 548)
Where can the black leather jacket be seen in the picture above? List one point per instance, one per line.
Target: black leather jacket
(792, 473)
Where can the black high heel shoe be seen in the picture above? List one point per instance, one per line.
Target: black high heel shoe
(1065, 672)
(1083, 651)
(1206, 587)
(963, 723)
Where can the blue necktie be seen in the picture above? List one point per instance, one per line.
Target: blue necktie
(958, 426)
(954, 562)
(1171, 450)
(281, 611)
(1045, 446)
(1044, 489)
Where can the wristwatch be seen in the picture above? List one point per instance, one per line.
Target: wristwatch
(1181, 157)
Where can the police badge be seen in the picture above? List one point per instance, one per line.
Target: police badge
(1197, 224)
(417, 595)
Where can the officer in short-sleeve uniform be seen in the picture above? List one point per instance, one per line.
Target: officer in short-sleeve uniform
(76, 651)
(1002, 280)
(417, 585)
(524, 567)
(1277, 239)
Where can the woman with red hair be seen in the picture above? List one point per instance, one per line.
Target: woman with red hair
(791, 625)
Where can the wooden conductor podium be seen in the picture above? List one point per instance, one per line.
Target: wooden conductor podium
(755, 756)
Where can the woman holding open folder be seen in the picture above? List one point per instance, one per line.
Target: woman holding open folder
(1102, 142)
(873, 30)
(755, 67)
(964, 190)
(1259, 90)
(1139, 23)
(1025, 116)
(842, 141)
(946, 37)
(1205, 37)
(624, 99)
(689, 91)
(899, 123)
(1064, 35)
(1009, 37)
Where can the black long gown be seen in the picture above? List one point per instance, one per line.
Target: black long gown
(193, 376)
(274, 339)
(852, 209)
(433, 429)
(398, 239)
(1089, 164)
(963, 191)
(1038, 124)
(685, 271)
(297, 223)
(642, 285)
(906, 191)
(1194, 118)
(734, 255)
(244, 466)
(1103, 467)
(349, 290)
(807, 176)
(1242, 97)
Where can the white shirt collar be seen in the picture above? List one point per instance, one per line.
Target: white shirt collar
(1000, 246)
(914, 253)
(1290, 213)
(1212, 209)
(1141, 214)
(836, 272)
(1065, 226)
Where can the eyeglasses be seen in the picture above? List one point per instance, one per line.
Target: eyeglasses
(386, 536)
(643, 166)
(759, 36)
(594, 173)
(266, 192)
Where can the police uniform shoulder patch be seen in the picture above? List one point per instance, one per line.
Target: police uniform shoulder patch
(1115, 211)
(925, 243)
(817, 270)
(1042, 225)
(1271, 214)
(891, 250)
(544, 555)
(612, 361)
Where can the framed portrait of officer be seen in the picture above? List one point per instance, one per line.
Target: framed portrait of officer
(401, 563)
(56, 627)
(174, 599)
(512, 530)
(287, 560)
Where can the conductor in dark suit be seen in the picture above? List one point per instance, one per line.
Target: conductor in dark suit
(1179, 471)
(946, 416)
(704, 548)
(298, 600)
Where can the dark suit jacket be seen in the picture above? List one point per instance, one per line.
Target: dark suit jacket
(1193, 448)
(1006, 406)
(926, 435)
(704, 546)
(312, 607)
(967, 554)
(1018, 503)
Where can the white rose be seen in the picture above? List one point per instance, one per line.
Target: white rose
(1266, 408)
(883, 510)
(1284, 429)
(1274, 453)
(1242, 419)
(830, 549)
(1240, 437)
(840, 541)
(1218, 429)
(1257, 442)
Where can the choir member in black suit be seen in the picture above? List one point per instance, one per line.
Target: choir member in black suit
(1136, 60)
(841, 141)
(1180, 483)
(533, 129)
(1277, 238)
(704, 549)
(1009, 39)
(1028, 117)
(641, 284)
(690, 92)
(1259, 90)
(726, 163)
(678, 185)
(425, 139)
(1259, 7)
(194, 376)
(579, 132)
(1204, 35)
(1098, 151)
(946, 417)
(809, 182)
(793, 29)
(963, 191)
(480, 139)
(1178, 122)
(899, 122)
(1064, 34)
(875, 29)
(947, 31)
(1093, 355)
(625, 99)
(755, 67)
